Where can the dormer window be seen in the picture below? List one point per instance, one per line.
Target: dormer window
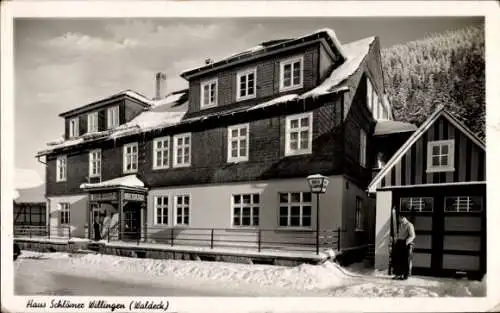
(113, 117)
(92, 119)
(209, 93)
(246, 84)
(74, 127)
(291, 73)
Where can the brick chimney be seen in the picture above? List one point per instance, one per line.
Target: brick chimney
(161, 85)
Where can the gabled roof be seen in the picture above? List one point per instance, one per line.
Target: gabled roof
(440, 111)
(269, 47)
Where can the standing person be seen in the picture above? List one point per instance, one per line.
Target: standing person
(405, 242)
(97, 230)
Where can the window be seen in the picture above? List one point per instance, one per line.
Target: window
(64, 214)
(182, 150)
(113, 117)
(362, 147)
(246, 84)
(376, 106)
(95, 163)
(359, 214)
(291, 72)
(246, 209)
(369, 94)
(182, 209)
(161, 210)
(161, 148)
(440, 156)
(61, 168)
(209, 93)
(92, 122)
(417, 204)
(130, 158)
(74, 130)
(237, 146)
(463, 204)
(298, 138)
(295, 209)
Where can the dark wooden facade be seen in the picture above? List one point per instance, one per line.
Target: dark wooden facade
(470, 159)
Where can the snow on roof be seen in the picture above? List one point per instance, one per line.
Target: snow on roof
(126, 181)
(392, 127)
(355, 54)
(274, 101)
(328, 31)
(30, 195)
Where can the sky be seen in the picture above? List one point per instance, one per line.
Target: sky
(61, 64)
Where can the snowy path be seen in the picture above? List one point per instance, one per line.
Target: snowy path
(89, 274)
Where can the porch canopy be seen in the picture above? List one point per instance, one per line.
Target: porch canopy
(126, 193)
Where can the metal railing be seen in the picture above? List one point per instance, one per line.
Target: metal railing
(296, 240)
(54, 232)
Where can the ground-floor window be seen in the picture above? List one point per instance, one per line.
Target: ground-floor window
(182, 209)
(463, 204)
(295, 209)
(246, 209)
(29, 215)
(359, 214)
(417, 204)
(161, 210)
(64, 213)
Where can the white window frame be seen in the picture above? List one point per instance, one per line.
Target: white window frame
(451, 156)
(95, 160)
(74, 127)
(288, 131)
(165, 149)
(238, 140)
(182, 206)
(61, 168)
(369, 94)
(418, 202)
(462, 199)
(132, 154)
(362, 147)
(93, 122)
(359, 214)
(164, 217)
(213, 103)
(176, 147)
(64, 213)
(301, 204)
(240, 205)
(291, 61)
(113, 117)
(246, 73)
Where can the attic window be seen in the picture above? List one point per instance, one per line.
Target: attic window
(209, 93)
(440, 156)
(73, 127)
(246, 83)
(291, 73)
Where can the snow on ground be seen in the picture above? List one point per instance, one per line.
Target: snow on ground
(328, 279)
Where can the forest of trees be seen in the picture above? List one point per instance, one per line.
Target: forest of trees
(443, 69)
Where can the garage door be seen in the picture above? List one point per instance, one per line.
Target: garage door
(449, 231)
(462, 242)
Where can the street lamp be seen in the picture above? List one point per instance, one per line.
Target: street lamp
(318, 184)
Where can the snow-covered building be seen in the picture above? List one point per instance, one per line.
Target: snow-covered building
(233, 150)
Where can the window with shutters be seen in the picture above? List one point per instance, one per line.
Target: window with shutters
(291, 73)
(440, 156)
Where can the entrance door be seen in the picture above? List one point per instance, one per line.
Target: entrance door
(132, 221)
